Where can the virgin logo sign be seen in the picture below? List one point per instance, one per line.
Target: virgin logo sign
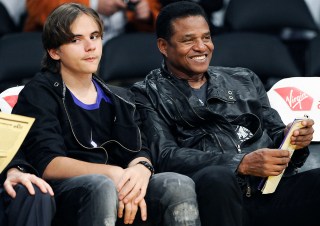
(11, 100)
(296, 99)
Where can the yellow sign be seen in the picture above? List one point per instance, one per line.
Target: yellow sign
(13, 130)
(273, 181)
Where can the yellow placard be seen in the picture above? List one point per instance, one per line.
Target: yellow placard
(13, 130)
(273, 181)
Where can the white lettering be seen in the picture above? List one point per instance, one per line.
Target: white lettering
(296, 101)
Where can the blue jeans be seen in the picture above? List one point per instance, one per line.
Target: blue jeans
(93, 200)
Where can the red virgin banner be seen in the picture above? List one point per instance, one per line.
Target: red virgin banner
(295, 97)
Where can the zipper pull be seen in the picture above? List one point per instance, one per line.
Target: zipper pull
(239, 148)
(248, 193)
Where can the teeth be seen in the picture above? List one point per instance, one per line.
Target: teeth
(199, 57)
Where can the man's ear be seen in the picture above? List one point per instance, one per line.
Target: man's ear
(54, 53)
(162, 46)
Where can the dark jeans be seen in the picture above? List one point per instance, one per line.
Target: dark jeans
(295, 202)
(93, 200)
(219, 196)
(26, 209)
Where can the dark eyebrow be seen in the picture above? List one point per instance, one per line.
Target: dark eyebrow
(75, 36)
(188, 35)
(192, 35)
(95, 32)
(79, 35)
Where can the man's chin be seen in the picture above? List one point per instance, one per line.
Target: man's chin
(200, 70)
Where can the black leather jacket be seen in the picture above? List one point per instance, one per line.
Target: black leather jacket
(184, 135)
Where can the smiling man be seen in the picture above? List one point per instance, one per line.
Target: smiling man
(215, 125)
(167, 99)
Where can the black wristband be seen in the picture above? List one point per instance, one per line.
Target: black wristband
(21, 169)
(148, 166)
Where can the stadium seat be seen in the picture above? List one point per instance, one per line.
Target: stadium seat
(289, 20)
(20, 57)
(264, 54)
(129, 58)
(313, 57)
(270, 16)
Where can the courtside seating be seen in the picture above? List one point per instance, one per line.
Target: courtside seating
(313, 58)
(129, 58)
(289, 20)
(20, 58)
(264, 54)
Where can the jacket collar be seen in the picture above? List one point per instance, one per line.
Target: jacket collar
(218, 86)
(55, 80)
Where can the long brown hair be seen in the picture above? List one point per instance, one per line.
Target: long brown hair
(56, 30)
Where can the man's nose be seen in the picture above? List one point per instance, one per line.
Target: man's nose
(199, 45)
(89, 45)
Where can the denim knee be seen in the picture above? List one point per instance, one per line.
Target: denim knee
(177, 198)
(100, 189)
(178, 187)
(95, 197)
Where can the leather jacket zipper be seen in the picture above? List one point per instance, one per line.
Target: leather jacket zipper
(238, 146)
(248, 188)
(178, 90)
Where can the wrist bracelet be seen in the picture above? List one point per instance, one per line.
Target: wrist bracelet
(21, 169)
(148, 166)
